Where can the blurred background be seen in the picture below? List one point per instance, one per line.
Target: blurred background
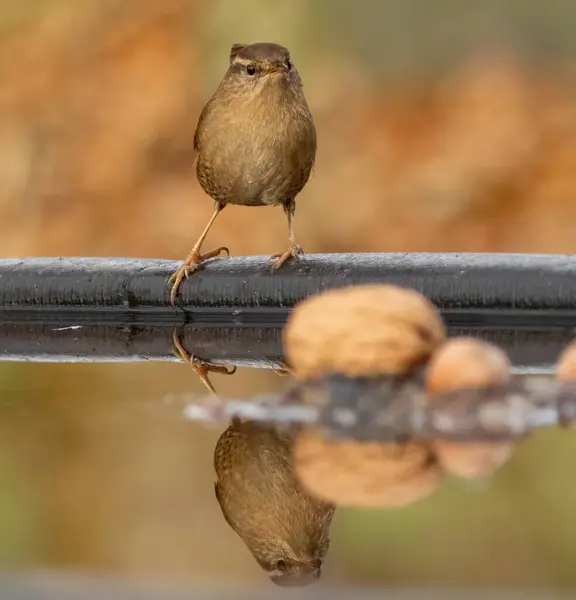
(443, 126)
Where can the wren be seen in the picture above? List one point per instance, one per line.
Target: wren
(255, 144)
(286, 530)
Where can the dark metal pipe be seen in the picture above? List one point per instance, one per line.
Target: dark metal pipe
(119, 309)
(483, 289)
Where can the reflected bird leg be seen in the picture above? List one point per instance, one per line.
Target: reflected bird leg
(295, 250)
(202, 369)
(282, 370)
(194, 258)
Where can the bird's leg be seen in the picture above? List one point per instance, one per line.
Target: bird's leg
(283, 370)
(194, 258)
(295, 250)
(202, 369)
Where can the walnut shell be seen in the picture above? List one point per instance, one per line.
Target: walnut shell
(358, 474)
(566, 369)
(460, 363)
(362, 331)
(466, 362)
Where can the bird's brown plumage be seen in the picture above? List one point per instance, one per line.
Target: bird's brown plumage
(286, 530)
(255, 142)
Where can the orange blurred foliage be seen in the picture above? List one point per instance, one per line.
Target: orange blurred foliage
(99, 109)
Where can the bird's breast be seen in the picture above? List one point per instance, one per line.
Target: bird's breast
(256, 157)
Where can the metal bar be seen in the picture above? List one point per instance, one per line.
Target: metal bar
(499, 290)
(232, 310)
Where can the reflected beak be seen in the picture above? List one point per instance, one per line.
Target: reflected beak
(299, 578)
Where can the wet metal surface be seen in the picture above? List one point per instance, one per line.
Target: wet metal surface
(84, 340)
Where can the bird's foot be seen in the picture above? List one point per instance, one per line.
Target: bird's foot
(190, 265)
(294, 252)
(283, 369)
(202, 369)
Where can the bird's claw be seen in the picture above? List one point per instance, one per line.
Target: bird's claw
(202, 369)
(215, 253)
(181, 273)
(210, 367)
(294, 253)
(283, 369)
(190, 266)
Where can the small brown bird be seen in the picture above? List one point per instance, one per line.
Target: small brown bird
(286, 530)
(255, 143)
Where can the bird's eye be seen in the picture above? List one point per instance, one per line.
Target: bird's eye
(288, 64)
(281, 565)
(251, 70)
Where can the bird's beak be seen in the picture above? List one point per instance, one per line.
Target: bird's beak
(298, 578)
(278, 68)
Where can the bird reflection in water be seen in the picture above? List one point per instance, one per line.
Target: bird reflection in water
(286, 530)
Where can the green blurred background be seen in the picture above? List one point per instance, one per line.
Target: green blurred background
(443, 126)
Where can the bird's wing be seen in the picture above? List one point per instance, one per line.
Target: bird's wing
(201, 119)
(218, 491)
(196, 136)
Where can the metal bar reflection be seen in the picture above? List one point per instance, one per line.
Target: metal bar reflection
(261, 347)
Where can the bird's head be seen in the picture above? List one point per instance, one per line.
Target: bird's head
(295, 556)
(259, 66)
(288, 534)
